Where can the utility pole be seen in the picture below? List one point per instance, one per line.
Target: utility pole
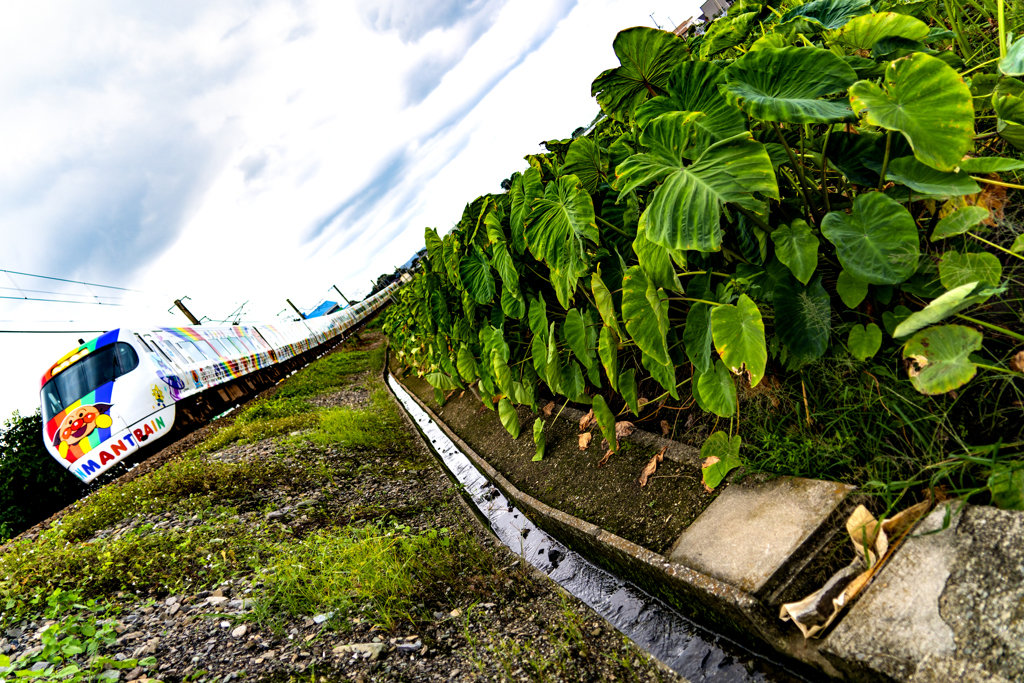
(342, 295)
(651, 15)
(296, 309)
(188, 313)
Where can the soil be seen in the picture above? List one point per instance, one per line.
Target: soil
(570, 480)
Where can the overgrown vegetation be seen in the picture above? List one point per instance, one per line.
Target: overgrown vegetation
(806, 214)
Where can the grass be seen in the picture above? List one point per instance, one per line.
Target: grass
(330, 373)
(378, 427)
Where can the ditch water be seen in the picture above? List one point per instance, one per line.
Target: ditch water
(677, 642)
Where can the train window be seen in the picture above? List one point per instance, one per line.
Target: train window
(234, 342)
(187, 352)
(84, 377)
(127, 359)
(246, 343)
(177, 357)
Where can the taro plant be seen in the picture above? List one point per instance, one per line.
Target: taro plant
(788, 186)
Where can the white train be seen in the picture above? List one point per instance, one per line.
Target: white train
(123, 390)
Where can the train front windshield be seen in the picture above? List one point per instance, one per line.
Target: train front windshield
(87, 375)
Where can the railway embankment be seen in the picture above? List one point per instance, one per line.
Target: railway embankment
(307, 535)
(943, 600)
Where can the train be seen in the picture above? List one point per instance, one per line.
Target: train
(114, 396)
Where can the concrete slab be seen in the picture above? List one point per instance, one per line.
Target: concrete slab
(752, 530)
(948, 606)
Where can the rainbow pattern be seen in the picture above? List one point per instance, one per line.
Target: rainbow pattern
(98, 435)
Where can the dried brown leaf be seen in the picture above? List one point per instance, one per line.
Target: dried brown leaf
(548, 408)
(652, 466)
(587, 420)
(605, 458)
(641, 402)
(665, 428)
(585, 440)
(1017, 362)
(623, 429)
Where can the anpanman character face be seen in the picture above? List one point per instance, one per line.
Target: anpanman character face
(80, 423)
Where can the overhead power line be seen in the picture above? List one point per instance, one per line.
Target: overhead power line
(43, 291)
(59, 301)
(76, 282)
(52, 331)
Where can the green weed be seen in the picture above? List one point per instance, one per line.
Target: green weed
(330, 373)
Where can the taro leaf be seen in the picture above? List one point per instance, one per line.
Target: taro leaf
(878, 242)
(717, 391)
(525, 189)
(847, 153)
(803, 317)
(738, 332)
(770, 40)
(959, 222)
(605, 420)
(956, 269)
(851, 289)
(784, 84)
(538, 439)
(573, 384)
(1018, 245)
(588, 162)
(663, 373)
(657, 261)
(553, 369)
(539, 352)
(1013, 63)
(510, 305)
(797, 247)
(627, 389)
(562, 225)
(439, 310)
(646, 56)
(441, 381)
(450, 248)
(823, 14)
(861, 33)
(495, 230)
(953, 301)
(693, 87)
(990, 164)
(697, 337)
(608, 349)
(864, 342)
(538, 317)
(926, 180)
(684, 212)
(721, 455)
(940, 358)
(892, 319)
(475, 272)
(646, 314)
(434, 249)
(927, 101)
(509, 417)
(1008, 100)
(502, 373)
(727, 32)
(466, 364)
(502, 261)
(575, 331)
(605, 302)
(1006, 483)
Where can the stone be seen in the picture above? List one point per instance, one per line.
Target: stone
(174, 609)
(372, 651)
(948, 606)
(225, 624)
(276, 514)
(216, 601)
(171, 600)
(238, 632)
(750, 531)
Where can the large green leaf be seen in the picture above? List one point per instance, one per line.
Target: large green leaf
(697, 337)
(588, 162)
(608, 350)
(573, 384)
(605, 302)
(823, 14)
(553, 369)
(693, 87)
(538, 317)
(646, 56)
(1006, 483)
(864, 342)
(1013, 63)
(684, 212)
(785, 84)
(510, 305)
(726, 32)
(561, 229)
(435, 249)
(803, 317)
(927, 180)
(861, 33)
(959, 222)
(502, 261)
(509, 417)
(538, 439)
(738, 332)
(950, 303)
(941, 358)
(575, 331)
(797, 247)
(927, 101)
(645, 314)
(878, 242)
(990, 164)
(663, 373)
(475, 272)
(526, 188)
(658, 261)
(450, 250)
(502, 373)
(715, 391)
(851, 289)
(606, 421)
(956, 269)
(539, 353)
(721, 455)
(466, 364)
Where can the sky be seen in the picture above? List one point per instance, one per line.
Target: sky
(245, 153)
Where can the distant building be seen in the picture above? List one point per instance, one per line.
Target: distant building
(326, 308)
(713, 8)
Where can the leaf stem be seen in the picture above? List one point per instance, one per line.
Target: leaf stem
(799, 172)
(753, 218)
(824, 167)
(885, 160)
(991, 327)
(997, 182)
(994, 368)
(696, 301)
(1002, 29)
(996, 246)
(615, 228)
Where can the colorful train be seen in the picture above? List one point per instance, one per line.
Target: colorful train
(115, 395)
